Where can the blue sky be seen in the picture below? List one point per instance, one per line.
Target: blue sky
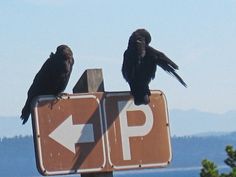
(200, 36)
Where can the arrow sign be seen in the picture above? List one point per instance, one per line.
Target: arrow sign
(68, 134)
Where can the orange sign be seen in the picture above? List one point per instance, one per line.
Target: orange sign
(100, 132)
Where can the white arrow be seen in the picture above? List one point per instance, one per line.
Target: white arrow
(68, 134)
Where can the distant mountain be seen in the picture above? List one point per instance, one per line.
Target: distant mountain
(193, 122)
(182, 123)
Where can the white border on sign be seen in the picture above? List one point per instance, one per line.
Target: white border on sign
(107, 139)
(36, 130)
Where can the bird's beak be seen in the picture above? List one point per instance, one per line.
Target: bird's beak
(139, 41)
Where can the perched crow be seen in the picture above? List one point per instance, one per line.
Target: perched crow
(139, 65)
(52, 78)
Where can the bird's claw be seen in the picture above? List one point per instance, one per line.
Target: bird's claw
(144, 101)
(61, 96)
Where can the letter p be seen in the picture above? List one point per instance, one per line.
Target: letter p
(133, 131)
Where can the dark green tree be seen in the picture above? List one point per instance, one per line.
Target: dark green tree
(231, 160)
(209, 169)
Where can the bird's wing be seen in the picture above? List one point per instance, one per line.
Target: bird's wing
(127, 66)
(162, 58)
(165, 63)
(46, 69)
(42, 78)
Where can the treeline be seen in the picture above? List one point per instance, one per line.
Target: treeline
(17, 158)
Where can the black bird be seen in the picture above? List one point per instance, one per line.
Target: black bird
(139, 65)
(51, 79)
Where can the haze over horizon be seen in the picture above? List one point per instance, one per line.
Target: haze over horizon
(182, 123)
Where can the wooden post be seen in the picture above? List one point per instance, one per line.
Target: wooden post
(91, 81)
(100, 174)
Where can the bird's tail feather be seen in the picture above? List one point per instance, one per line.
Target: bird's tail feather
(25, 113)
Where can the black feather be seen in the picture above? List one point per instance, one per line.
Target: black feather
(165, 63)
(51, 79)
(139, 65)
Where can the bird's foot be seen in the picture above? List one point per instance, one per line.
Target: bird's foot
(137, 103)
(61, 96)
(145, 100)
